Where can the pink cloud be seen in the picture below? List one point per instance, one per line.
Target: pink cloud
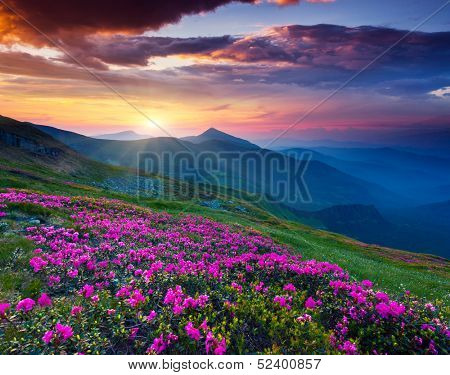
(294, 2)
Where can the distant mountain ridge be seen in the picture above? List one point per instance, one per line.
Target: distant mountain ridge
(127, 135)
(341, 202)
(363, 222)
(328, 186)
(415, 176)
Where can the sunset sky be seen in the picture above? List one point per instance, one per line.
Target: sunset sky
(247, 67)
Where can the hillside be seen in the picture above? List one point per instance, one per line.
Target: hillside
(22, 142)
(144, 268)
(329, 188)
(327, 185)
(425, 275)
(25, 148)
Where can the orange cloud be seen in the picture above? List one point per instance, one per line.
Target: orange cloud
(285, 2)
(70, 19)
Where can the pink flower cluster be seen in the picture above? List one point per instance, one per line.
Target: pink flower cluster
(161, 276)
(180, 302)
(392, 309)
(61, 333)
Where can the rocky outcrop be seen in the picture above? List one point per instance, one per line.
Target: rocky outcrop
(14, 140)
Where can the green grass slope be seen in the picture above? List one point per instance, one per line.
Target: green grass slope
(68, 173)
(394, 270)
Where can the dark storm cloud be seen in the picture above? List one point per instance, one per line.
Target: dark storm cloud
(338, 46)
(83, 17)
(325, 56)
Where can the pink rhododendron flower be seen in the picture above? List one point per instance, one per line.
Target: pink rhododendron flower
(159, 345)
(380, 296)
(151, 316)
(221, 348)
(136, 298)
(177, 310)
(37, 263)
(48, 336)
(76, 310)
(310, 303)
(123, 292)
(383, 309)
(426, 327)
(432, 348)
(367, 284)
(283, 301)
(359, 297)
(213, 346)
(350, 348)
(236, 286)
(202, 300)
(259, 286)
(53, 280)
(391, 309)
(289, 288)
(192, 332)
(204, 325)
(87, 291)
(3, 307)
(25, 305)
(304, 318)
(72, 273)
(397, 309)
(64, 331)
(44, 300)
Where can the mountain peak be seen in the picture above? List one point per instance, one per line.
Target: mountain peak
(212, 131)
(213, 134)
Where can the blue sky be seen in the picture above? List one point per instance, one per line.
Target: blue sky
(241, 18)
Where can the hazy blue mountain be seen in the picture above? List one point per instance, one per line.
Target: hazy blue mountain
(327, 185)
(439, 209)
(413, 228)
(128, 135)
(420, 139)
(428, 141)
(363, 222)
(424, 226)
(421, 178)
(436, 215)
(383, 154)
(340, 202)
